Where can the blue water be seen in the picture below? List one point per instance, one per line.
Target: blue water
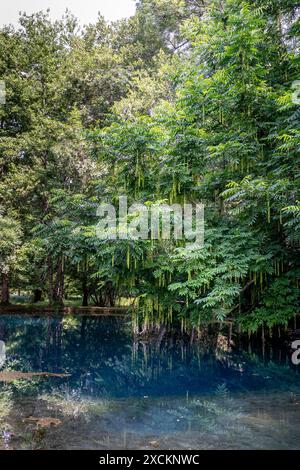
(117, 392)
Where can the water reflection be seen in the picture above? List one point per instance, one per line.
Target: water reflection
(125, 393)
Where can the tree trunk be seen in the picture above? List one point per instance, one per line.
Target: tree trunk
(58, 292)
(56, 283)
(5, 289)
(85, 293)
(85, 290)
(37, 296)
(106, 296)
(50, 274)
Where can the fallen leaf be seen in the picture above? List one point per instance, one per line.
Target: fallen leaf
(154, 443)
(43, 422)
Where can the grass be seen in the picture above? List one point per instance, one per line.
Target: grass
(5, 406)
(73, 407)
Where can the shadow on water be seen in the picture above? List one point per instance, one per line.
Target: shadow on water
(108, 390)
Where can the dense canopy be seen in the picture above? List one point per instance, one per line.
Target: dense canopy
(186, 101)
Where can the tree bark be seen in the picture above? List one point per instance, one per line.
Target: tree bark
(58, 292)
(56, 283)
(85, 292)
(5, 289)
(37, 296)
(85, 289)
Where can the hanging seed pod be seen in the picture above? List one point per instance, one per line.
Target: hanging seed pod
(128, 257)
(171, 314)
(268, 208)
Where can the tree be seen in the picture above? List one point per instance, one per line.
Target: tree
(10, 239)
(187, 101)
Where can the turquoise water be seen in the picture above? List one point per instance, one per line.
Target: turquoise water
(110, 391)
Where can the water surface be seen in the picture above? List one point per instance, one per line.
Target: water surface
(115, 392)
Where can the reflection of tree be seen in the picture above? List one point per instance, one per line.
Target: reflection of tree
(104, 360)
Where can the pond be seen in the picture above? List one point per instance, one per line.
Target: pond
(85, 383)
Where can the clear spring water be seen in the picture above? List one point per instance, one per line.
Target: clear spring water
(121, 394)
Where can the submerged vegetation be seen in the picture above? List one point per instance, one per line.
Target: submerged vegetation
(186, 101)
(104, 389)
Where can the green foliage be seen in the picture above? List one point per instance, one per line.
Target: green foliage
(186, 101)
(279, 304)
(10, 239)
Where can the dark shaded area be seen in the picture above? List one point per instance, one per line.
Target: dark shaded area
(104, 359)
